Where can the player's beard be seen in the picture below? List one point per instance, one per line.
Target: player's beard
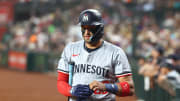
(93, 43)
(87, 37)
(89, 41)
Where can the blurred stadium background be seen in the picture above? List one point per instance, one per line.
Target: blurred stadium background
(33, 34)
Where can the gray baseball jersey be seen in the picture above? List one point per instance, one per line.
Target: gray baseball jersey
(103, 64)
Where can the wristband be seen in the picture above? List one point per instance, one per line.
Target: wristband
(125, 88)
(112, 88)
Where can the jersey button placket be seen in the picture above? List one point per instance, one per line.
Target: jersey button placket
(88, 57)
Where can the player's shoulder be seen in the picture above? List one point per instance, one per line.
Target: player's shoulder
(112, 47)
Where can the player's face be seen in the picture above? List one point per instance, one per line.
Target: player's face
(87, 32)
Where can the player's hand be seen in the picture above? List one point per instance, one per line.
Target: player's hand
(96, 85)
(81, 91)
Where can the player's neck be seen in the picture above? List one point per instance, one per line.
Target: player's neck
(94, 45)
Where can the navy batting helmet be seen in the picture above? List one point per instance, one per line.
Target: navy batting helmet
(93, 17)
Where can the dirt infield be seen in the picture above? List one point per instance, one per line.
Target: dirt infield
(28, 86)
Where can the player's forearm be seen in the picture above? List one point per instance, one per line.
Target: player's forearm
(64, 88)
(125, 89)
(125, 86)
(120, 89)
(62, 84)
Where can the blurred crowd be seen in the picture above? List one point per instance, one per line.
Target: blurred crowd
(156, 24)
(159, 52)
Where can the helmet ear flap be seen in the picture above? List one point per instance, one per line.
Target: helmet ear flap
(98, 34)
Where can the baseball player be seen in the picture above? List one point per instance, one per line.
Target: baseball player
(101, 70)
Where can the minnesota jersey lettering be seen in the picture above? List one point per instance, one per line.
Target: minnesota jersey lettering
(91, 69)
